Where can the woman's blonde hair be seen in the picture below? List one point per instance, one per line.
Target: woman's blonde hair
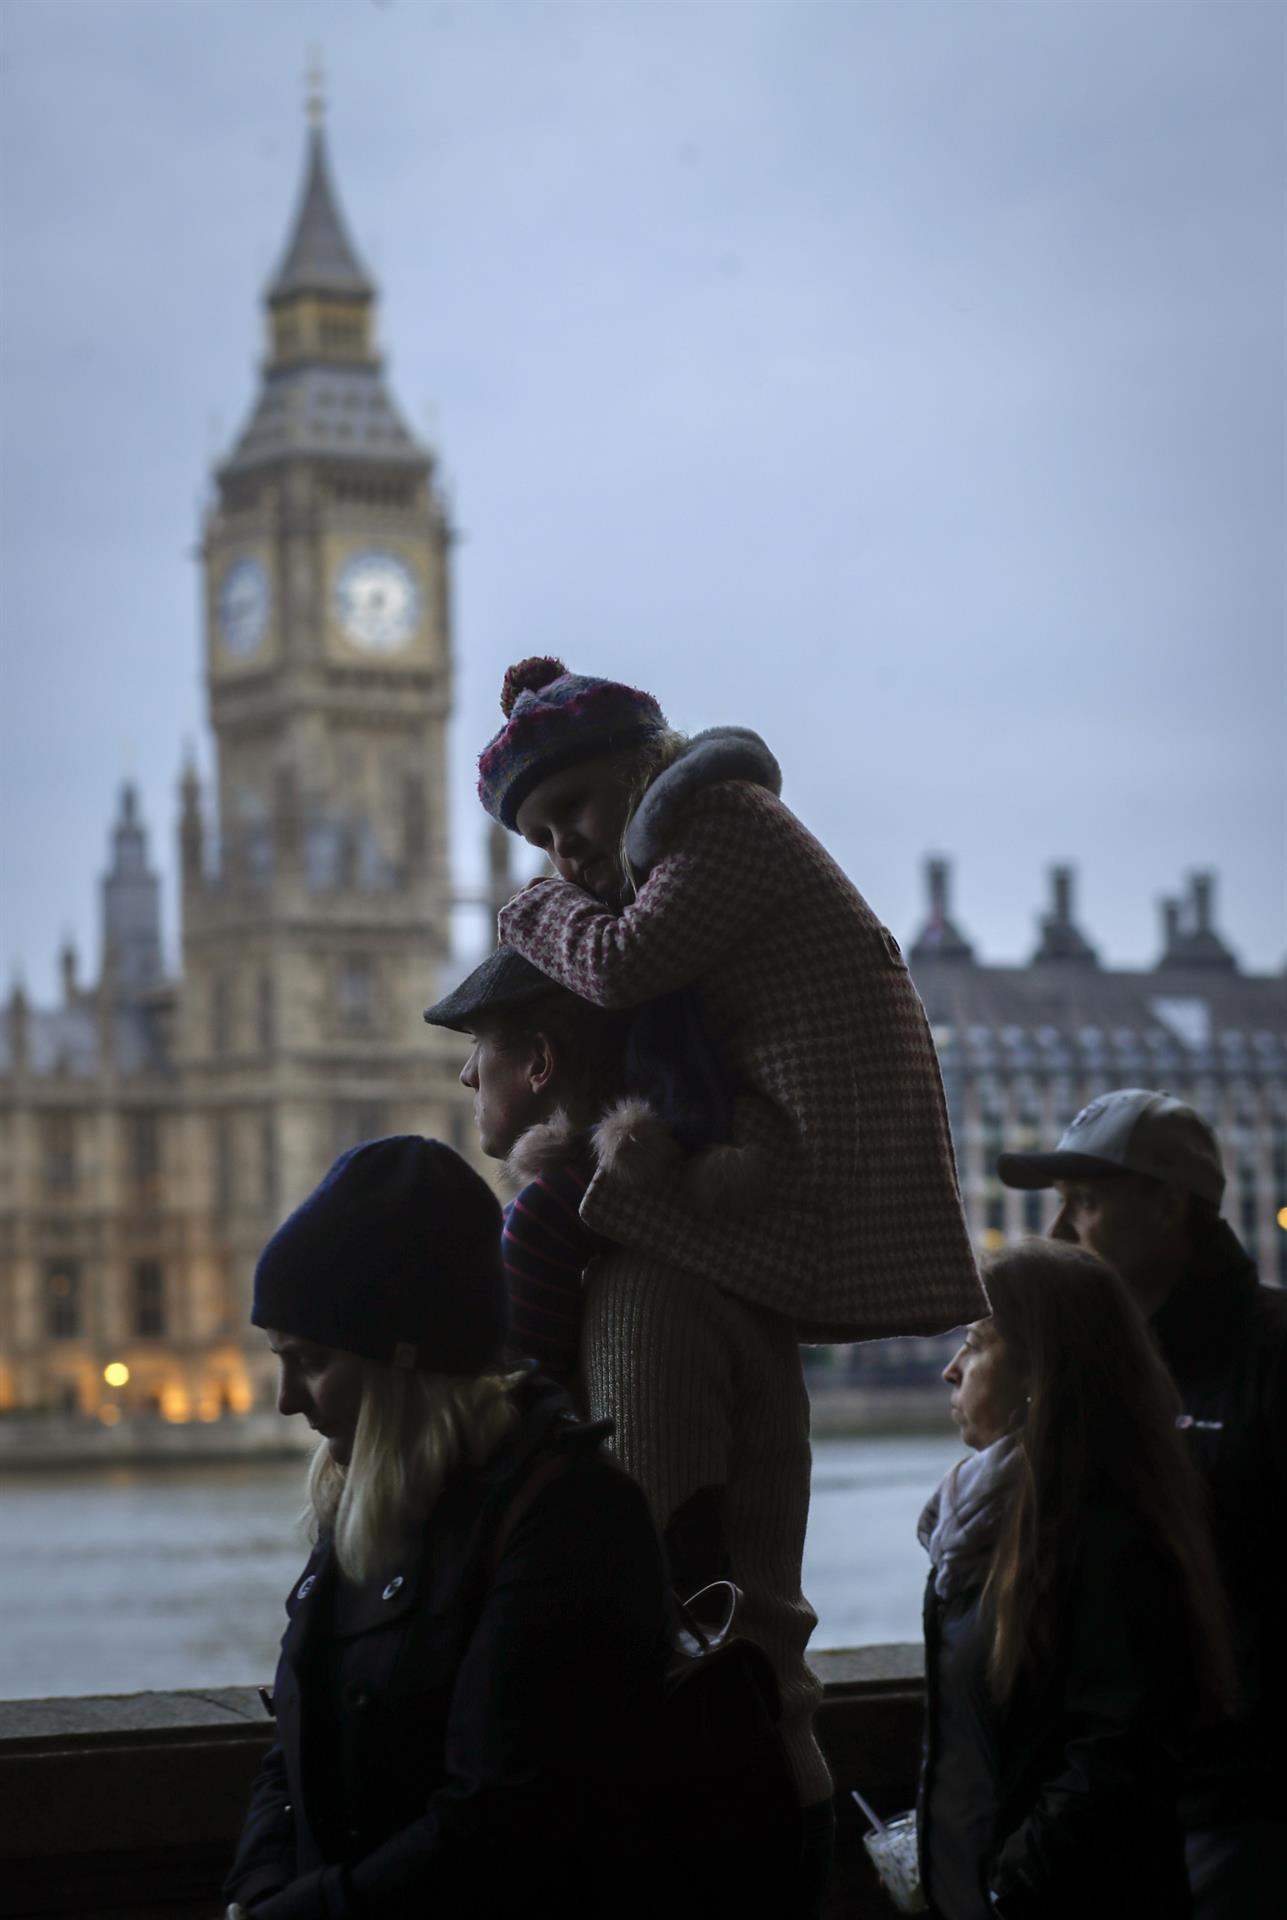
(412, 1429)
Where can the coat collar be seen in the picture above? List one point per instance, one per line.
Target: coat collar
(1200, 1322)
(719, 754)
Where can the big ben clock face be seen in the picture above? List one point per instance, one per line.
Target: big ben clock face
(245, 597)
(377, 601)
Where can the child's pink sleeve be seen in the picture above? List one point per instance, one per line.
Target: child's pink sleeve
(705, 894)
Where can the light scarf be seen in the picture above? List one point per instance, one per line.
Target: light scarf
(962, 1517)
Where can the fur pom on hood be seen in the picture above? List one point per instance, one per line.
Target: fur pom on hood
(721, 753)
(633, 1144)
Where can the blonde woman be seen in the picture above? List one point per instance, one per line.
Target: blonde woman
(481, 1628)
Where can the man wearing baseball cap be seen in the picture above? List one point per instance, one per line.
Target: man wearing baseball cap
(1140, 1180)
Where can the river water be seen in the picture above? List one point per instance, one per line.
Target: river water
(120, 1579)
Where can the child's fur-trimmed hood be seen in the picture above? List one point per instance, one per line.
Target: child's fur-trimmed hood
(721, 753)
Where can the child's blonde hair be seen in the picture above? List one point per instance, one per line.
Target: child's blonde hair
(659, 751)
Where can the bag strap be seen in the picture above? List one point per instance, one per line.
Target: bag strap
(696, 1635)
(550, 1468)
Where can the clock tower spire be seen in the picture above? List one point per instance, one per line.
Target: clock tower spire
(320, 906)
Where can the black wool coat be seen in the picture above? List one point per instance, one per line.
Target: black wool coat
(1078, 1772)
(1224, 1338)
(455, 1737)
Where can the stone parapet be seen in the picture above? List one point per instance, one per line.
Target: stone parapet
(127, 1807)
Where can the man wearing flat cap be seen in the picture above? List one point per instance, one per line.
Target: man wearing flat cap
(1140, 1180)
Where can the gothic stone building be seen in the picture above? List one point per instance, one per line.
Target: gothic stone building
(1023, 1048)
(152, 1130)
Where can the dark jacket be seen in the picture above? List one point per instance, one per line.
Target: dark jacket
(1224, 1338)
(1066, 1796)
(450, 1738)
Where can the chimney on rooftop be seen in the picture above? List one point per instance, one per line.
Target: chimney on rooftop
(939, 938)
(1188, 929)
(1061, 938)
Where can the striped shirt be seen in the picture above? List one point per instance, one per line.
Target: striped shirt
(546, 1246)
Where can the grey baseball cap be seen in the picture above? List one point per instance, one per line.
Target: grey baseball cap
(1130, 1131)
(504, 981)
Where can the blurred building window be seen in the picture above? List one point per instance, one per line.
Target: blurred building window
(268, 1161)
(356, 1121)
(224, 1182)
(265, 1021)
(357, 992)
(62, 1299)
(145, 1153)
(58, 1152)
(149, 1299)
(220, 998)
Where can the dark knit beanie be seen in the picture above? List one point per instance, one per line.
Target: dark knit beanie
(554, 718)
(395, 1256)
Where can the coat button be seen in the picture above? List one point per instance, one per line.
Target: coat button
(306, 1587)
(392, 1587)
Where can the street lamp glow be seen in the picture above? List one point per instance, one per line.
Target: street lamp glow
(117, 1374)
(1282, 1218)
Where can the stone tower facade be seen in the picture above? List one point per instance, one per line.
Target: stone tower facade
(316, 902)
(154, 1131)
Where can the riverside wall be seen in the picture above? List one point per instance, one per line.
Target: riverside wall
(63, 1440)
(127, 1807)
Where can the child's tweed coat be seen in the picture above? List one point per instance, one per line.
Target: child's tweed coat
(837, 1204)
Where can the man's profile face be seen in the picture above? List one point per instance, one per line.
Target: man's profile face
(1122, 1219)
(499, 1070)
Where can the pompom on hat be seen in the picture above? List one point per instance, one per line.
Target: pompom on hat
(554, 718)
(396, 1256)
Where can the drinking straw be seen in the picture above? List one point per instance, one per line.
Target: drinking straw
(870, 1811)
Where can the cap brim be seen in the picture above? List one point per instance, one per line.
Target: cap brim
(446, 1014)
(1030, 1171)
(504, 981)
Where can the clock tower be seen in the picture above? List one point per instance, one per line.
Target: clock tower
(316, 887)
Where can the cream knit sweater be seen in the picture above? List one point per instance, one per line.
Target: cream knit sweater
(707, 1391)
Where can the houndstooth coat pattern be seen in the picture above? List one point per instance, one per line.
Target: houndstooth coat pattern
(836, 1204)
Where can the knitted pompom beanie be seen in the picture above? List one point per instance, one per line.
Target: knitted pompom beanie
(395, 1256)
(554, 718)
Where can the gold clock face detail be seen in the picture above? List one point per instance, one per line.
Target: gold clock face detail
(244, 603)
(377, 601)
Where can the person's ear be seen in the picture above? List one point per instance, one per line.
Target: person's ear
(541, 1063)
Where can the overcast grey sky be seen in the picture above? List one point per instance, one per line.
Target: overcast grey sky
(904, 380)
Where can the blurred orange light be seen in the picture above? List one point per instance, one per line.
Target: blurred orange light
(1282, 1218)
(117, 1374)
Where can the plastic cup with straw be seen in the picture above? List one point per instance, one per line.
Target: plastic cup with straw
(891, 1846)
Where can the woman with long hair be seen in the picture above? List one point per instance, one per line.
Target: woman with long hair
(791, 1177)
(1074, 1623)
(480, 1634)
